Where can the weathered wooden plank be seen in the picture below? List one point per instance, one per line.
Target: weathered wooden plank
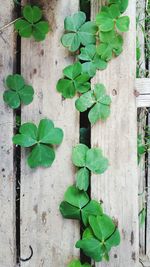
(143, 88)
(51, 237)
(140, 85)
(148, 205)
(118, 187)
(7, 181)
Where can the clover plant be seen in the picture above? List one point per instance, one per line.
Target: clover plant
(78, 32)
(123, 4)
(74, 81)
(92, 59)
(18, 91)
(109, 18)
(87, 160)
(32, 24)
(40, 139)
(99, 237)
(77, 263)
(98, 101)
(77, 205)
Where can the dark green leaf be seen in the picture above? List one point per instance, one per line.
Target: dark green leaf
(41, 155)
(77, 263)
(123, 24)
(27, 135)
(32, 14)
(76, 197)
(11, 98)
(123, 4)
(69, 212)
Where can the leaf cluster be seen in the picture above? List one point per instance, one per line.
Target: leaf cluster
(41, 140)
(100, 234)
(18, 91)
(32, 24)
(98, 102)
(74, 81)
(87, 160)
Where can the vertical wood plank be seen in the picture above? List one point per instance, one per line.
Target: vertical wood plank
(140, 12)
(51, 237)
(7, 180)
(118, 187)
(148, 205)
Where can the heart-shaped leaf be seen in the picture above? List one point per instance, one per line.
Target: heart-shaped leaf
(82, 179)
(92, 60)
(31, 24)
(39, 140)
(98, 101)
(123, 4)
(18, 92)
(78, 32)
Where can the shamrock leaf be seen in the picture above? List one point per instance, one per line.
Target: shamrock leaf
(78, 32)
(40, 140)
(31, 24)
(74, 81)
(98, 101)
(18, 92)
(77, 263)
(93, 60)
(123, 4)
(110, 43)
(109, 18)
(77, 205)
(88, 160)
(99, 238)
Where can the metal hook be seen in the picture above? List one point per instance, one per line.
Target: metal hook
(29, 258)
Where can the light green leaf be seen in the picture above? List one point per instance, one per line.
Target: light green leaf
(85, 101)
(78, 32)
(27, 135)
(82, 179)
(77, 263)
(47, 134)
(79, 155)
(95, 161)
(123, 24)
(92, 208)
(41, 155)
(91, 248)
(123, 4)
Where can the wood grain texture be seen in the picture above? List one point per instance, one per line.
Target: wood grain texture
(7, 177)
(143, 88)
(118, 187)
(148, 206)
(51, 237)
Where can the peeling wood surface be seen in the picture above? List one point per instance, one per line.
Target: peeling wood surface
(118, 187)
(51, 237)
(7, 180)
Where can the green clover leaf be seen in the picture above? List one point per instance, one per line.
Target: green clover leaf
(123, 4)
(93, 60)
(98, 101)
(18, 92)
(111, 44)
(40, 140)
(77, 263)
(77, 205)
(109, 18)
(74, 81)
(99, 238)
(31, 24)
(88, 160)
(78, 32)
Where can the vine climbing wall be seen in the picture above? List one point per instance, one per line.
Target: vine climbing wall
(30, 198)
